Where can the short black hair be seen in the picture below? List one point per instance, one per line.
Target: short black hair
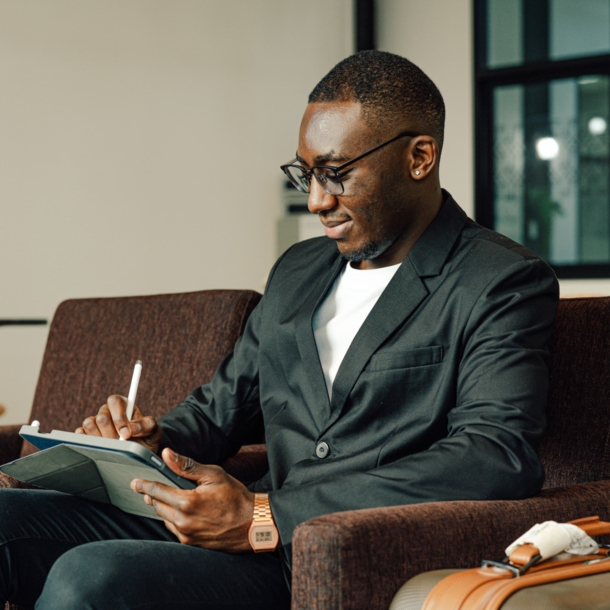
(391, 89)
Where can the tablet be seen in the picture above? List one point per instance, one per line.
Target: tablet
(92, 467)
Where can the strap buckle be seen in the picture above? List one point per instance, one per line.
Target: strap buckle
(505, 565)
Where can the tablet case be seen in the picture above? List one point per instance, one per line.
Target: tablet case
(92, 473)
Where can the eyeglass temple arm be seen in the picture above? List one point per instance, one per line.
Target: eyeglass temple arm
(340, 167)
(368, 152)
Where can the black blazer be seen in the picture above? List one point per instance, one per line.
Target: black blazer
(441, 395)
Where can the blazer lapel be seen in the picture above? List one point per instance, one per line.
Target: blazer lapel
(397, 302)
(306, 341)
(402, 296)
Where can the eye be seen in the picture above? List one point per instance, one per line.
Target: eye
(300, 174)
(327, 175)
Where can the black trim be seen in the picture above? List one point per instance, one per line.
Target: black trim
(364, 17)
(544, 71)
(480, 41)
(33, 322)
(483, 147)
(575, 272)
(298, 208)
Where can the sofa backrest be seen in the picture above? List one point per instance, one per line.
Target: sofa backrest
(576, 447)
(93, 345)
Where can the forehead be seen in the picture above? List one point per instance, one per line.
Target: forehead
(332, 131)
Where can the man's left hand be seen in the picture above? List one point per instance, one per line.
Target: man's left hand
(215, 515)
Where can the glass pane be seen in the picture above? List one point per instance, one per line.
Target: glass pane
(504, 40)
(551, 168)
(579, 27)
(519, 32)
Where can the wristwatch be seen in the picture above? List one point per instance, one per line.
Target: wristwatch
(263, 534)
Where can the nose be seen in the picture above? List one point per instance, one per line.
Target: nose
(319, 200)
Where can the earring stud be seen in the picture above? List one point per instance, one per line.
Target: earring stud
(417, 172)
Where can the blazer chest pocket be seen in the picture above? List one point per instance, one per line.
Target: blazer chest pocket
(404, 359)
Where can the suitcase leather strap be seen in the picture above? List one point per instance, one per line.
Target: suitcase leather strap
(487, 588)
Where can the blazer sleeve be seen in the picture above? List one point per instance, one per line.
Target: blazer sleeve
(497, 420)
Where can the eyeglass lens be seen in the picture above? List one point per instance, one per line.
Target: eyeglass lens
(327, 179)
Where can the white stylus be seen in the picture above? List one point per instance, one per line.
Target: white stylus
(133, 388)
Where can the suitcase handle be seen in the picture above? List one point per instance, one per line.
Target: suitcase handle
(592, 525)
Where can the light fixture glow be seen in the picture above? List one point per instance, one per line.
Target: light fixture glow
(588, 80)
(547, 148)
(597, 126)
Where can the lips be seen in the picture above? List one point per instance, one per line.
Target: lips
(337, 229)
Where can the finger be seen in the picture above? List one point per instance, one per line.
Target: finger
(174, 530)
(171, 507)
(143, 426)
(158, 492)
(80, 431)
(90, 427)
(185, 466)
(118, 411)
(104, 423)
(167, 513)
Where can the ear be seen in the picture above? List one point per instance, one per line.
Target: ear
(423, 156)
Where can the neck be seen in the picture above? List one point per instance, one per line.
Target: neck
(425, 210)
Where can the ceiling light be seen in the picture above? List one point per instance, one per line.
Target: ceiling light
(547, 148)
(597, 125)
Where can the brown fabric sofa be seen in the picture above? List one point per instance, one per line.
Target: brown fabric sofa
(358, 559)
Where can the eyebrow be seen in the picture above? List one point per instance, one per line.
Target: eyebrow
(330, 157)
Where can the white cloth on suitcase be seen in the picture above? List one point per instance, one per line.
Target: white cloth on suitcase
(551, 538)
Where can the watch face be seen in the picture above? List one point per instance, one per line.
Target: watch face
(263, 537)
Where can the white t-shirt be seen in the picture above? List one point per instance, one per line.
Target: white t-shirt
(341, 314)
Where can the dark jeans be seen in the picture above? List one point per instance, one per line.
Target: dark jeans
(58, 551)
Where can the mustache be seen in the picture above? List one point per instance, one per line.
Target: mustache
(331, 216)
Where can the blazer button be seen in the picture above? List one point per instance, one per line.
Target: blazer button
(322, 450)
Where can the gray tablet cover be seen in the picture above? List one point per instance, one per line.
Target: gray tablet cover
(94, 474)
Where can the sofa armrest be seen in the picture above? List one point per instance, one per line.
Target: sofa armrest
(10, 447)
(249, 464)
(359, 559)
(10, 443)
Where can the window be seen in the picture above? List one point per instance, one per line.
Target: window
(542, 128)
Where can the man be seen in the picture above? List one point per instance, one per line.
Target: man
(400, 361)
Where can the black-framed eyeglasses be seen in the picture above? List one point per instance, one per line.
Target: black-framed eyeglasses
(328, 177)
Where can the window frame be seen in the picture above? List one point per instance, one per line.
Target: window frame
(485, 81)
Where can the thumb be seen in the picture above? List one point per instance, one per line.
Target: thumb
(184, 466)
(142, 426)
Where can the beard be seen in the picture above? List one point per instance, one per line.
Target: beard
(368, 251)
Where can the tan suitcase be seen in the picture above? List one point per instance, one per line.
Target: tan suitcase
(519, 583)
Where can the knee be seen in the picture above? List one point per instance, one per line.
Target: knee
(85, 578)
(13, 501)
(18, 508)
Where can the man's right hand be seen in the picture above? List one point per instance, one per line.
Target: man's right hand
(111, 422)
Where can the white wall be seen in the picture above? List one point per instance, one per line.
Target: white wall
(437, 36)
(140, 145)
